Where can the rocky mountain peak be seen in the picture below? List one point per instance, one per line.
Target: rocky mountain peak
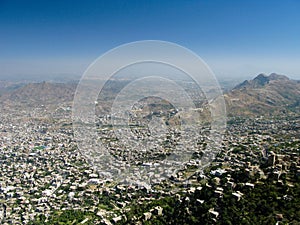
(265, 94)
(262, 80)
(275, 76)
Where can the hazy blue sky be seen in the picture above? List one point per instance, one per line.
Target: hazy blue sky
(240, 38)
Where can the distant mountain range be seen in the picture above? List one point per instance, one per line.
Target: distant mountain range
(45, 93)
(264, 95)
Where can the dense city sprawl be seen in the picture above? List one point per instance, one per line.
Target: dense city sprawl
(255, 178)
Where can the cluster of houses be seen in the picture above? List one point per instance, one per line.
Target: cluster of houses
(43, 171)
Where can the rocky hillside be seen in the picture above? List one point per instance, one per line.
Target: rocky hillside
(264, 95)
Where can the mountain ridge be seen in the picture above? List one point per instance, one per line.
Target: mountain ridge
(261, 80)
(264, 95)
